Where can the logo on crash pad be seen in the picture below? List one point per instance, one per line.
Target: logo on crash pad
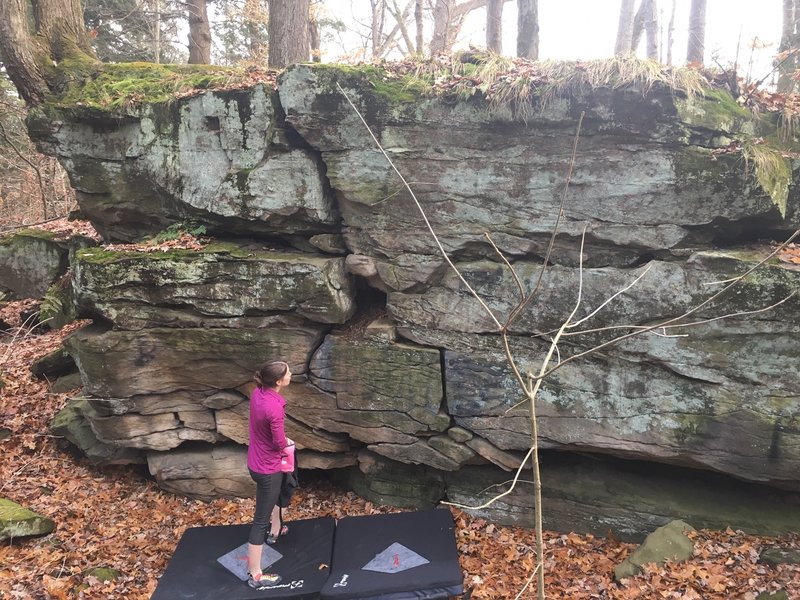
(395, 559)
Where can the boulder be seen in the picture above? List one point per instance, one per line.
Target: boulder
(217, 158)
(323, 258)
(203, 471)
(699, 398)
(71, 423)
(667, 543)
(17, 521)
(170, 376)
(30, 261)
(779, 556)
(218, 286)
(633, 192)
(595, 494)
(53, 365)
(388, 482)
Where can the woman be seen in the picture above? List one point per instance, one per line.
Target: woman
(267, 443)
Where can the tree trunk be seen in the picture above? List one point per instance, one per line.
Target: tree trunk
(418, 21)
(441, 26)
(528, 29)
(494, 26)
(790, 45)
(651, 28)
(314, 39)
(670, 33)
(697, 33)
(288, 32)
(448, 17)
(378, 13)
(31, 43)
(199, 33)
(157, 31)
(638, 24)
(624, 44)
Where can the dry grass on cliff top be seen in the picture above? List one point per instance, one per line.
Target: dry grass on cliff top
(117, 517)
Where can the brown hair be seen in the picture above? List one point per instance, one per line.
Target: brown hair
(268, 375)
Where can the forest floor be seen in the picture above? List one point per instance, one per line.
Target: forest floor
(117, 517)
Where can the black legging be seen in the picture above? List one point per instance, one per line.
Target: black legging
(268, 488)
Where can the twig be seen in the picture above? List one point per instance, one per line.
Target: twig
(521, 306)
(517, 280)
(494, 499)
(675, 319)
(15, 473)
(527, 583)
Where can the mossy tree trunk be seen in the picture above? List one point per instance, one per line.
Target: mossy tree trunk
(36, 36)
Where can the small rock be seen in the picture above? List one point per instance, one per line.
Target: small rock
(779, 556)
(665, 543)
(782, 595)
(66, 383)
(103, 573)
(18, 521)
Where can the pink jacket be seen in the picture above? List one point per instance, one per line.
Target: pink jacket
(267, 436)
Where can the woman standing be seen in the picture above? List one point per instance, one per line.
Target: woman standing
(267, 443)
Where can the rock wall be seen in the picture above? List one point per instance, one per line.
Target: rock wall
(401, 387)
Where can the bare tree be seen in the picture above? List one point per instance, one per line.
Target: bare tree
(33, 187)
(288, 32)
(624, 43)
(199, 33)
(419, 22)
(494, 25)
(528, 29)
(790, 45)
(696, 46)
(36, 35)
(448, 18)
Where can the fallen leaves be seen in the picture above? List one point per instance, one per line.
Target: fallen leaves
(790, 254)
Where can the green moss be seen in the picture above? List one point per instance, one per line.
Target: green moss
(103, 573)
(121, 86)
(694, 166)
(379, 83)
(771, 168)
(29, 233)
(103, 256)
(715, 110)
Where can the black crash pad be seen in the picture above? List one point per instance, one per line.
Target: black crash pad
(398, 556)
(195, 570)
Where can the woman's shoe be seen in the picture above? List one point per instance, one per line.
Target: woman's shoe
(271, 539)
(261, 581)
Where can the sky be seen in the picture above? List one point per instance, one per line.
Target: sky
(586, 29)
